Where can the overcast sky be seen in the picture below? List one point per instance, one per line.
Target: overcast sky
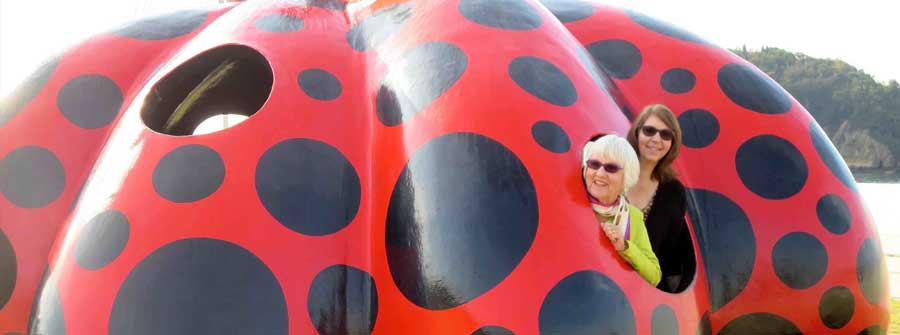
(863, 33)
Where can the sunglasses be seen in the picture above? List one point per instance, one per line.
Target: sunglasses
(665, 134)
(594, 164)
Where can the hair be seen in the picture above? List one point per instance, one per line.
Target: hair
(615, 148)
(663, 170)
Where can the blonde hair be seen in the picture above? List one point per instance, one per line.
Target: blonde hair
(617, 149)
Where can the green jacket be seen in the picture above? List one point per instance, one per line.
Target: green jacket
(638, 251)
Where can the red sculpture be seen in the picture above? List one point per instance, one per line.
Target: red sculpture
(410, 167)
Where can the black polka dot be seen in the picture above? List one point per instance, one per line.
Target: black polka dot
(164, 26)
(189, 173)
(870, 272)
(678, 80)
(727, 244)
(47, 310)
(830, 156)
(503, 14)
(319, 84)
(343, 300)
(12, 104)
(543, 80)
(373, 30)
(569, 10)
(800, 260)
(90, 101)
(749, 88)
(833, 213)
(325, 4)
(586, 302)
(403, 94)
(460, 198)
(873, 330)
(836, 307)
(492, 330)
(8, 269)
(759, 323)
(699, 128)
(199, 286)
(102, 240)
(601, 80)
(663, 321)
(664, 28)
(308, 186)
(619, 58)
(771, 167)
(705, 327)
(31, 177)
(279, 23)
(550, 136)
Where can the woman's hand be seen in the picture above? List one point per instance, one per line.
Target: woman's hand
(612, 233)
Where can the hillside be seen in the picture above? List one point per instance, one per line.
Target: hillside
(859, 114)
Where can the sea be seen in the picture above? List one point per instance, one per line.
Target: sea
(881, 199)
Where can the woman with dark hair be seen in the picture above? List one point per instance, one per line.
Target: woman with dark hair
(656, 137)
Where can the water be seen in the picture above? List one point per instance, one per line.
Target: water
(879, 199)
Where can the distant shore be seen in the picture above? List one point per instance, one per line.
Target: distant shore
(876, 176)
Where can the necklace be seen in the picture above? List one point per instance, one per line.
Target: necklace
(646, 209)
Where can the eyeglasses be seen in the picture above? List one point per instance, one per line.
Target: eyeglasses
(665, 134)
(594, 164)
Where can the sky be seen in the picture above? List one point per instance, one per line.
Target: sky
(863, 33)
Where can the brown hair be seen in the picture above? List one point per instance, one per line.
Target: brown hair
(663, 170)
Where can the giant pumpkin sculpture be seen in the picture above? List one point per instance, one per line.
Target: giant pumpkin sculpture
(410, 167)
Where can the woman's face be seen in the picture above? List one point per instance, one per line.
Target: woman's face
(602, 184)
(653, 148)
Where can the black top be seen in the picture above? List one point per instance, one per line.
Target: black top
(669, 235)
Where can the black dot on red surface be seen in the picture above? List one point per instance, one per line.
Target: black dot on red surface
(833, 213)
(102, 240)
(319, 84)
(771, 167)
(8, 269)
(759, 323)
(749, 88)
(550, 136)
(164, 26)
(699, 128)
(873, 330)
(279, 23)
(188, 173)
(199, 286)
(464, 204)
(308, 186)
(47, 310)
(543, 80)
(569, 10)
(664, 28)
(503, 14)
(836, 307)
(343, 300)
(678, 80)
(663, 321)
(727, 244)
(586, 302)
(403, 94)
(492, 330)
(375, 29)
(12, 104)
(31, 177)
(90, 101)
(619, 58)
(800, 260)
(830, 156)
(600, 79)
(870, 271)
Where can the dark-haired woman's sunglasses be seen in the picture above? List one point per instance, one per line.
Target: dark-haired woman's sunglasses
(594, 164)
(665, 134)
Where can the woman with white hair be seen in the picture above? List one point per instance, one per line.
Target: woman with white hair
(610, 166)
